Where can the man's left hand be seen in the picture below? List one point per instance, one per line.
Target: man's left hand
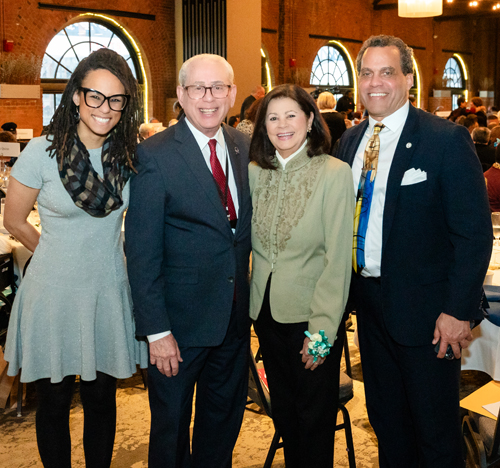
(308, 359)
(451, 331)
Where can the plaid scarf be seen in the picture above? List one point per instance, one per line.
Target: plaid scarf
(93, 194)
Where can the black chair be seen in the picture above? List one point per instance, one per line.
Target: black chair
(481, 440)
(7, 283)
(258, 394)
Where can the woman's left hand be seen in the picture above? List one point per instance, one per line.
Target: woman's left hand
(308, 359)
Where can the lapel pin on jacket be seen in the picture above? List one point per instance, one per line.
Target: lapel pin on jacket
(408, 145)
(236, 150)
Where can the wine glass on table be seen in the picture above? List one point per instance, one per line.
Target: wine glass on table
(495, 221)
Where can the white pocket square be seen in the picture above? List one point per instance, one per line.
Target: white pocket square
(414, 176)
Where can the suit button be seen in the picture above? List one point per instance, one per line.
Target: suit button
(235, 243)
(230, 279)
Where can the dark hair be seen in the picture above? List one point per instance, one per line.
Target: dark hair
(405, 52)
(251, 112)
(460, 101)
(262, 150)
(7, 137)
(477, 101)
(470, 120)
(232, 120)
(62, 127)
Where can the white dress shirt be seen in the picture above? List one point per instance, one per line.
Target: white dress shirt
(222, 155)
(389, 138)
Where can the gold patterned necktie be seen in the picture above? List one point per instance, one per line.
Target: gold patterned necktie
(372, 151)
(364, 198)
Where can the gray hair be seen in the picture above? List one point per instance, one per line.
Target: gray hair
(184, 71)
(145, 128)
(481, 135)
(405, 52)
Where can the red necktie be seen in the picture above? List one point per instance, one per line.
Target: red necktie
(220, 178)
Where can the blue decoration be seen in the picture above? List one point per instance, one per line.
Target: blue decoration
(319, 345)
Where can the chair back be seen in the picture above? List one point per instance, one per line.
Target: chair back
(256, 388)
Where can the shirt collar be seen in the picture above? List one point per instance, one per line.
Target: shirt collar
(283, 161)
(394, 121)
(202, 139)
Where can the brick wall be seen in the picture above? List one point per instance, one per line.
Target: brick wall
(32, 29)
(356, 20)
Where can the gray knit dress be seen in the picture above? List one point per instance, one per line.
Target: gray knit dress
(73, 311)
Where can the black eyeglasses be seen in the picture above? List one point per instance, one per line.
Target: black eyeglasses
(219, 91)
(95, 99)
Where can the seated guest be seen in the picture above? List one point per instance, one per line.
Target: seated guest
(492, 176)
(10, 127)
(470, 122)
(246, 125)
(233, 121)
(146, 130)
(485, 153)
(459, 111)
(495, 136)
(333, 119)
(492, 120)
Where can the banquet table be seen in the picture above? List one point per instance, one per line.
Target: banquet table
(483, 354)
(20, 253)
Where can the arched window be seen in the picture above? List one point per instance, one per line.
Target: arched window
(72, 44)
(452, 76)
(455, 78)
(333, 70)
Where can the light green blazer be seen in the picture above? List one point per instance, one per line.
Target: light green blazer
(302, 234)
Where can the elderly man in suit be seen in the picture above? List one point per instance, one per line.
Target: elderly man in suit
(188, 246)
(422, 245)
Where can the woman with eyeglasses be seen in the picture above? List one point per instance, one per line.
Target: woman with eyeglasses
(73, 314)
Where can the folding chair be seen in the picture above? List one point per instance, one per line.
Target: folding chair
(258, 394)
(482, 440)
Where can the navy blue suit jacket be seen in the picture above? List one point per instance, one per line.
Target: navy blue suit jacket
(437, 234)
(183, 260)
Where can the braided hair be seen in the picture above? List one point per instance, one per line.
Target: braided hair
(62, 128)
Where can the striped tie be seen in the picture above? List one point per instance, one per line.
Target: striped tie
(364, 198)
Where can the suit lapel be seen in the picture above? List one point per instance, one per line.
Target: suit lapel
(191, 152)
(405, 149)
(357, 135)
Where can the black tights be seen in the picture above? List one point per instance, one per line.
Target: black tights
(52, 420)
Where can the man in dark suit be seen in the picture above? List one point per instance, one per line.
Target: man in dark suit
(188, 246)
(425, 255)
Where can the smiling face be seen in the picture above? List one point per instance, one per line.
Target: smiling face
(95, 124)
(287, 125)
(383, 87)
(206, 114)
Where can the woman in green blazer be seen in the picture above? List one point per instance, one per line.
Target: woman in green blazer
(303, 202)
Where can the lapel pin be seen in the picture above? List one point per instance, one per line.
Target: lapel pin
(408, 145)
(236, 150)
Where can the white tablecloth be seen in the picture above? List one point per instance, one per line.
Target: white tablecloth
(483, 354)
(19, 251)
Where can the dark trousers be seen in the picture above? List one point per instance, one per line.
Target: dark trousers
(221, 377)
(303, 402)
(99, 416)
(412, 397)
